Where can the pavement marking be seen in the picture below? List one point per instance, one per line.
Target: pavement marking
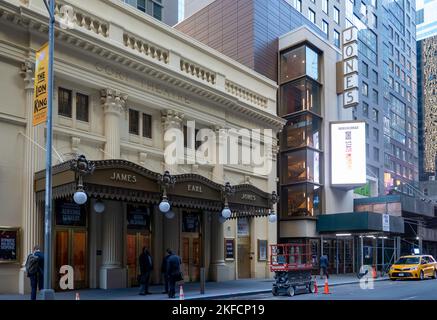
(409, 298)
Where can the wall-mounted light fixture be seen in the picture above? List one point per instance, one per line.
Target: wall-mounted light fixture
(227, 191)
(274, 198)
(81, 166)
(166, 180)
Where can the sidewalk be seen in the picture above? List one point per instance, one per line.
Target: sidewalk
(223, 289)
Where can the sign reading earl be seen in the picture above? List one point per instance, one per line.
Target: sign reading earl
(40, 98)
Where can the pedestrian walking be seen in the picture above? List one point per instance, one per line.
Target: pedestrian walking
(164, 270)
(146, 267)
(35, 270)
(324, 266)
(174, 273)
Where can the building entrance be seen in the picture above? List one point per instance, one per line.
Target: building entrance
(191, 245)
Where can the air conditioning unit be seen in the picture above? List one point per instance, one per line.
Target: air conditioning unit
(431, 178)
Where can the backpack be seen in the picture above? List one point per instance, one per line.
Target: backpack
(32, 264)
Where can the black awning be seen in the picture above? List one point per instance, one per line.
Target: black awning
(358, 222)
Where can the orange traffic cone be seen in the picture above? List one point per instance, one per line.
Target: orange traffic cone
(326, 291)
(77, 296)
(181, 293)
(316, 289)
(374, 275)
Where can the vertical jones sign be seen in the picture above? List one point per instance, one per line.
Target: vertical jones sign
(40, 99)
(350, 67)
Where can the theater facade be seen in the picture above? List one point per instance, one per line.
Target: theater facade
(122, 80)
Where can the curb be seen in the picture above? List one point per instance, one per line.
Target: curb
(247, 293)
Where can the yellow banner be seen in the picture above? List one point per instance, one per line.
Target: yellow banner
(41, 87)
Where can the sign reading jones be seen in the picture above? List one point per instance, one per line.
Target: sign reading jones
(348, 153)
(350, 67)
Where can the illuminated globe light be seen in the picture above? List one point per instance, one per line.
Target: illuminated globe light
(226, 213)
(222, 219)
(170, 215)
(164, 206)
(99, 206)
(80, 197)
(272, 217)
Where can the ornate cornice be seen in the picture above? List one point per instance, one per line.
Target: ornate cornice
(27, 73)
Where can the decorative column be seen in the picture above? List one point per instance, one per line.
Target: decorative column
(112, 273)
(218, 266)
(172, 120)
(218, 171)
(113, 103)
(30, 232)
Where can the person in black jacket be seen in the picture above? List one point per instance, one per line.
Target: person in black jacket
(173, 272)
(146, 267)
(36, 276)
(164, 270)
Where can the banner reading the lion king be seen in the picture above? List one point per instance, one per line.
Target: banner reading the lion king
(40, 99)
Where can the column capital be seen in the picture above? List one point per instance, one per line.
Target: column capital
(27, 72)
(172, 119)
(113, 101)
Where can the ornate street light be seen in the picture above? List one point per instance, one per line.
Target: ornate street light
(81, 166)
(166, 180)
(274, 198)
(228, 191)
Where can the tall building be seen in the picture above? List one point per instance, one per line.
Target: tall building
(166, 11)
(426, 19)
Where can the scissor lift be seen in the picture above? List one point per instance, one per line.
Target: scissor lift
(292, 265)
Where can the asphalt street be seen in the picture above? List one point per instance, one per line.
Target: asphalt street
(382, 290)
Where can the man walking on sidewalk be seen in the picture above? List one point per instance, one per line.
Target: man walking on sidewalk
(164, 270)
(173, 273)
(35, 270)
(324, 266)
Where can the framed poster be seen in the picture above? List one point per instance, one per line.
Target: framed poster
(138, 217)
(9, 244)
(69, 213)
(262, 250)
(190, 221)
(229, 249)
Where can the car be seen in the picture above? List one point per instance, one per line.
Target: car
(414, 267)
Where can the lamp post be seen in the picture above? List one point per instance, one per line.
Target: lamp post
(228, 191)
(166, 180)
(48, 293)
(81, 166)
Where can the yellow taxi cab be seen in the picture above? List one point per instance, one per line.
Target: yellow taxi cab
(413, 267)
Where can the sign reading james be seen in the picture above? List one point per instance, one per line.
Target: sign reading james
(123, 177)
(40, 98)
(350, 67)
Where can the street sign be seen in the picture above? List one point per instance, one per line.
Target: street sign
(385, 222)
(40, 92)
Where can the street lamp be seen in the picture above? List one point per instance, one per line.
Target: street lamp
(227, 190)
(274, 198)
(81, 166)
(166, 180)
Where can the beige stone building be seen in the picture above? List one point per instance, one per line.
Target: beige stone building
(122, 79)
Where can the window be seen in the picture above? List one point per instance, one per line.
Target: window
(64, 102)
(299, 62)
(301, 200)
(365, 69)
(312, 16)
(375, 96)
(302, 165)
(302, 94)
(82, 109)
(299, 5)
(134, 122)
(337, 38)
(367, 130)
(325, 5)
(363, 9)
(336, 15)
(302, 131)
(325, 27)
(147, 125)
(375, 115)
(157, 11)
(367, 150)
(375, 154)
(376, 134)
(375, 77)
(365, 89)
(365, 109)
(391, 65)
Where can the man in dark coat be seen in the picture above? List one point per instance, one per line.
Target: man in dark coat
(36, 276)
(146, 267)
(324, 266)
(173, 272)
(164, 270)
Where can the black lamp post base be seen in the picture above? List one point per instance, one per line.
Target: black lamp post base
(47, 294)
